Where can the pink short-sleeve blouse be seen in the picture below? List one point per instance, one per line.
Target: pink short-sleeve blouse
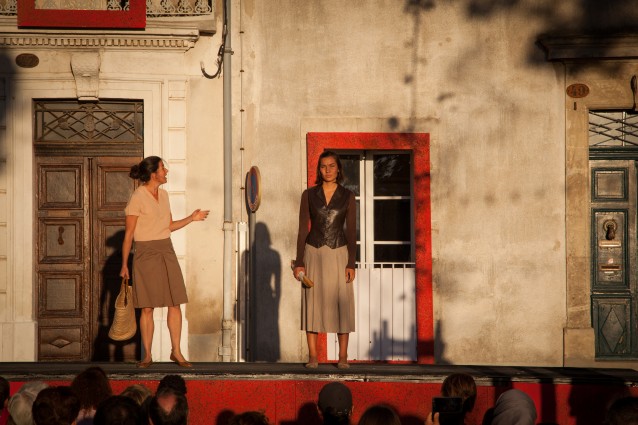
(154, 216)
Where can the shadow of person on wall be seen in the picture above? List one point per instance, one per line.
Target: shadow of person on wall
(104, 348)
(265, 297)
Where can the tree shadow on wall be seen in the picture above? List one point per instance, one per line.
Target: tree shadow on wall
(386, 347)
(594, 18)
(7, 67)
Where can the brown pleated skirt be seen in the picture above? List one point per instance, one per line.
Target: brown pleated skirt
(329, 305)
(157, 277)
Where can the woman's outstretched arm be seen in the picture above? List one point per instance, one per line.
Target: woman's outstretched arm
(197, 215)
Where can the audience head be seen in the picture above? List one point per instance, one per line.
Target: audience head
(379, 415)
(168, 407)
(55, 406)
(4, 392)
(514, 407)
(175, 382)
(21, 403)
(335, 403)
(623, 411)
(137, 392)
(249, 418)
(460, 385)
(118, 410)
(91, 386)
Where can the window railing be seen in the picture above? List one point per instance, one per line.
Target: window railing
(154, 8)
(385, 306)
(168, 8)
(613, 129)
(8, 7)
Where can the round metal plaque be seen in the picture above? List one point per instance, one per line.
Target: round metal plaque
(27, 60)
(577, 90)
(253, 188)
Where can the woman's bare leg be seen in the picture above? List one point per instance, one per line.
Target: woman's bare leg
(174, 321)
(343, 349)
(147, 327)
(311, 337)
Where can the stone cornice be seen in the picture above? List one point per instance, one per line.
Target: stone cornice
(149, 39)
(590, 47)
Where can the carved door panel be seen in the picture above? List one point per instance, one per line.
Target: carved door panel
(613, 251)
(111, 188)
(63, 258)
(80, 224)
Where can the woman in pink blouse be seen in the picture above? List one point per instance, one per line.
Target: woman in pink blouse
(157, 277)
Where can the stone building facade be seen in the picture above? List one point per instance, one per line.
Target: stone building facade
(500, 262)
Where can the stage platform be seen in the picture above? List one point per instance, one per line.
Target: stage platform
(287, 392)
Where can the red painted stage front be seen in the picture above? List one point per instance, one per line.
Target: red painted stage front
(288, 402)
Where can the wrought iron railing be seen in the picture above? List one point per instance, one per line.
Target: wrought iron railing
(71, 121)
(613, 129)
(8, 7)
(154, 8)
(385, 307)
(167, 8)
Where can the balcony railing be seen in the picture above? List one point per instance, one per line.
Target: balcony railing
(154, 8)
(385, 305)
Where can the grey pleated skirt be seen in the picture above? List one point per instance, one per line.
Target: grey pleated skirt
(329, 305)
(157, 277)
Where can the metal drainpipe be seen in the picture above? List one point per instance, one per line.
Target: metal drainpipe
(227, 318)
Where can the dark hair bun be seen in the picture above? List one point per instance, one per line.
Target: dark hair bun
(145, 168)
(135, 172)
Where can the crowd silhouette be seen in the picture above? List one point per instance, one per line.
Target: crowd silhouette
(89, 400)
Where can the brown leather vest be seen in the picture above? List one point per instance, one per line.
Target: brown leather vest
(327, 220)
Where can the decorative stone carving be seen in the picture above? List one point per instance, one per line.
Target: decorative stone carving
(174, 40)
(86, 70)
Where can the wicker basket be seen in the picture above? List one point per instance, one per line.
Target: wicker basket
(124, 324)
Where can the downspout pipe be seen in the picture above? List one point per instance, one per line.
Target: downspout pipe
(227, 317)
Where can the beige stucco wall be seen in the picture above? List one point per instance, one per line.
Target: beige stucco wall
(494, 110)
(468, 74)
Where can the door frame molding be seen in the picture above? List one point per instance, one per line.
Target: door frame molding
(608, 90)
(419, 145)
(19, 330)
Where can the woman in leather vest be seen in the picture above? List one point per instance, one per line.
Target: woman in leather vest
(326, 254)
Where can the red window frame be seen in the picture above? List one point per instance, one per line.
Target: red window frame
(419, 145)
(30, 16)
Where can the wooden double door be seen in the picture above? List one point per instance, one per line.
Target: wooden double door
(79, 226)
